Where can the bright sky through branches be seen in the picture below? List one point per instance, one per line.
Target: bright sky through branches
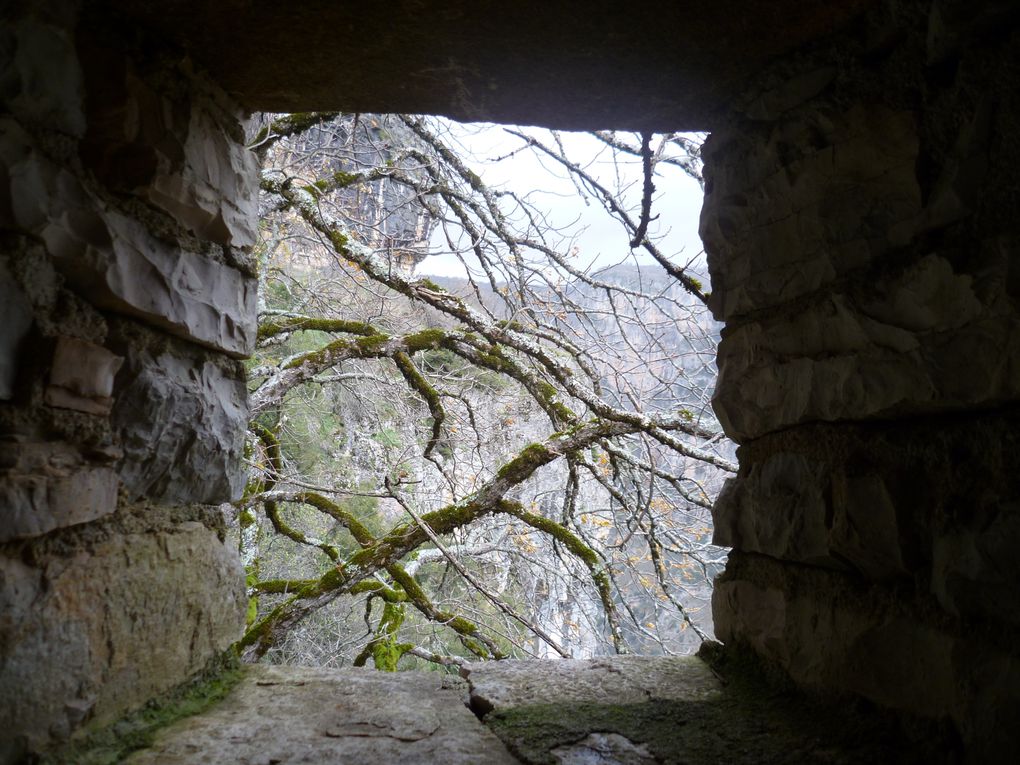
(499, 160)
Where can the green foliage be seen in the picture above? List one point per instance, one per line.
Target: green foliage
(252, 612)
(441, 362)
(386, 650)
(366, 510)
(310, 427)
(277, 295)
(388, 437)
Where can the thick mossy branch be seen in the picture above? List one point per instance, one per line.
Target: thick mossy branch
(286, 126)
(410, 589)
(285, 529)
(358, 530)
(281, 586)
(380, 590)
(384, 648)
(413, 376)
(525, 463)
(281, 325)
(368, 345)
(342, 180)
(472, 638)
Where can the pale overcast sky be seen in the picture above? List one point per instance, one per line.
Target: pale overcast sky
(600, 239)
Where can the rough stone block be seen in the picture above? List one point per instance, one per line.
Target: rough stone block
(42, 81)
(46, 486)
(116, 260)
(931, 339)
(181, 418)
(81, 376)
(90, 636)
(183, 292)
(975, 569)
(611, 680)
(809, 510)
(214, 191)
(182, 153)
(772, 102)
(791, 206)
(838, 639)
(780, 507)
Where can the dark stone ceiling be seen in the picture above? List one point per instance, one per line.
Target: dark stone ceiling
(573, 64)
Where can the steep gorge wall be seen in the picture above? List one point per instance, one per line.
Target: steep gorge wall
(860, 221)
(126, 297)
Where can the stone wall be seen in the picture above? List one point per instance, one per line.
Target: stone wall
(127, 294)
(860, 221)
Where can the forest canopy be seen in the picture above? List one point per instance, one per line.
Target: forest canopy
(515, 462)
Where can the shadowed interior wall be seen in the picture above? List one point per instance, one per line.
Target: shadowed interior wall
(126, 217)
(860, 223)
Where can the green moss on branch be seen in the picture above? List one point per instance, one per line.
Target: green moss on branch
(524, 464)
(278, 326)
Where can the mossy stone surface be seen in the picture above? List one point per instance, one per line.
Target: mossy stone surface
(673, 711)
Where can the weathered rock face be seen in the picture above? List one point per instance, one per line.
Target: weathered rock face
(181, 417)
(127, 207)
(50, 485)
(641, 710)
(861, 232)
(103, 627)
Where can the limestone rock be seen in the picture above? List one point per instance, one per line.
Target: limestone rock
(87, 636)
(118, 262)
(603, 749)
(836, 637)
(42, 80)
(791, 206)
(356, 716)
(665, 68)
(610, 680)
(771, 102)
(46, 486)
(975, 567)
(932, 339)
(181, 418)
(81, 376)
(179, 149)
(798, 508)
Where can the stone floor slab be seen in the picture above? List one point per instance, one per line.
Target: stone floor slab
(289, 715)
(609, 680)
